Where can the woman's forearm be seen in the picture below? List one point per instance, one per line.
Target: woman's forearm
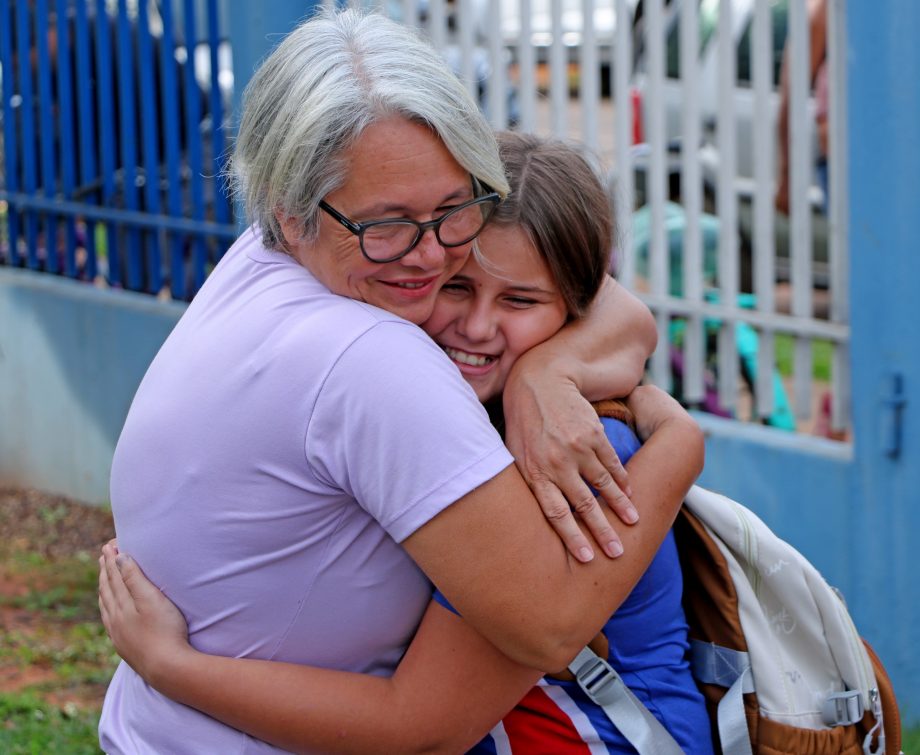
(552, 430)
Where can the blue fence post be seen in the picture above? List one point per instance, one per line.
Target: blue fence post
(218, 156)
(127, 125)
(192, 101)
(67, 132)
(86, 115)
(883, 64)
(29, 137)
(253, 35)
(150, 135)
(46, 130)
(11, 142)
(105, 94)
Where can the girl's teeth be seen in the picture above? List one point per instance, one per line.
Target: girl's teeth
(411, 285)
(474, 360)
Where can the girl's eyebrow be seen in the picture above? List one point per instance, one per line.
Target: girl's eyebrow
(521, 287)
(530, 289)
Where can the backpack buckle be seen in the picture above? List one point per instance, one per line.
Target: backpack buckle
(843, 708)
(598, 679)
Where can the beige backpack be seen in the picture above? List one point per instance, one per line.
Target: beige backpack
(773, 649)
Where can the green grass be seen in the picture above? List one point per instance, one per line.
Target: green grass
(910, 743)
(35, 727)
(62, 588)
(55, 659)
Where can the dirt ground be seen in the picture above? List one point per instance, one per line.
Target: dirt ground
(51, 641)
(51, 525)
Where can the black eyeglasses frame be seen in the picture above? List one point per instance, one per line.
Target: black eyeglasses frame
(492, 198)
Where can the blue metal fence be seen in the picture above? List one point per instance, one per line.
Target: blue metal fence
(113, 127)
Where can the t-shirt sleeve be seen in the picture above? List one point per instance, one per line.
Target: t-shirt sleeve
(396, 427)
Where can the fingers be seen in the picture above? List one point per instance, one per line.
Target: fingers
(585, 507)
(105, 593)
(557, 511)
(119, 598)
(611, 473)
(610, 479)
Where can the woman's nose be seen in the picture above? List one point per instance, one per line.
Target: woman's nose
(428, 252)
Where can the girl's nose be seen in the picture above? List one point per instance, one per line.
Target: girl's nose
(480, 324)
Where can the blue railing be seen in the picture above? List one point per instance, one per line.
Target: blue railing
(114, 129)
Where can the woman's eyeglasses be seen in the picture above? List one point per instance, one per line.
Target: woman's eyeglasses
(390, 240)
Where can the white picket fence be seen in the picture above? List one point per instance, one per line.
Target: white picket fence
(537, 66)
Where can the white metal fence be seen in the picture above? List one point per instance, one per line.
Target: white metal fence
(680, 100)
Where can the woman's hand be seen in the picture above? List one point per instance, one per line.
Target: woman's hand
(559, 443)
(147, 629)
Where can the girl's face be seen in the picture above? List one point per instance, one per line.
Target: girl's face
(484, 319)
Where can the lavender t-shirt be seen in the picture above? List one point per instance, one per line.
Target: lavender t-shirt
(281, 445)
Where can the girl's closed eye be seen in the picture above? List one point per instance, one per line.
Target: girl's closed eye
(521, 302)
(455, 287)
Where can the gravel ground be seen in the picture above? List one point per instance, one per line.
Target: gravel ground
(51, 525)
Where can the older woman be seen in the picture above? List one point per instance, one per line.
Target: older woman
(300, 459)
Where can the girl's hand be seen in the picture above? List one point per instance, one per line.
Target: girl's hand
(147, 629)
(653, 408)
(559, 444)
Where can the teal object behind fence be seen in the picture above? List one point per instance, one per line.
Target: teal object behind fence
(746, 339)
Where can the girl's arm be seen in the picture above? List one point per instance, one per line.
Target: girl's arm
(554, 433)
(452, 685)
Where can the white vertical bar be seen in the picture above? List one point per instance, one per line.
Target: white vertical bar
(691, 193)
(655, 180)
(410, 12)
(623, 115)
(559, 74)
(437, 23)
(527, 71)
(588, 78)
(727, 208)
(839, 247)
(498, 73)
(466, 27)
(764, 159)
(800, 169)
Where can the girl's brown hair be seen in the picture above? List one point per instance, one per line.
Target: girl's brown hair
(560, 202)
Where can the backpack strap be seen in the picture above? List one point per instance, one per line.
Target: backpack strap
(714, 664)
(604, 686)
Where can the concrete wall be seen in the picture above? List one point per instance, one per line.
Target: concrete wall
(71, 358)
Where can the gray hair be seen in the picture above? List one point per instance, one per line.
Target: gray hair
(313, 96)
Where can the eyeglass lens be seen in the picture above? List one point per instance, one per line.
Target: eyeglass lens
(390, 239)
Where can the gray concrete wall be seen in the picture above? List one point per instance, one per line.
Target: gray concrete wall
(71, 358)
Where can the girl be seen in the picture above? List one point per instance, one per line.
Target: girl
(538, 264)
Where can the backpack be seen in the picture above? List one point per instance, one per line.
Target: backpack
(773, 649)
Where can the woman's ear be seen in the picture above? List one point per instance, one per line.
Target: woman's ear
(291, 230)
